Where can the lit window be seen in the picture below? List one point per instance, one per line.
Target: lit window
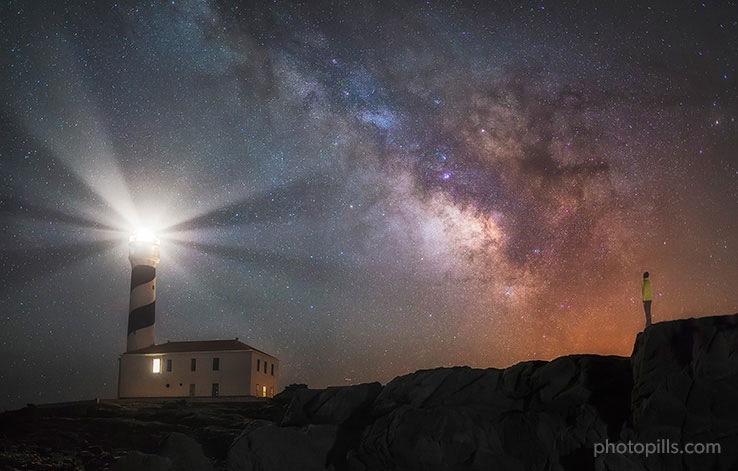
(264, 391)
(157, 365)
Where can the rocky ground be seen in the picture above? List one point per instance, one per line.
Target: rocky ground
(680, 384)
(91, 436)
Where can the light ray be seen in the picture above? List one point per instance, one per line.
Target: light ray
(24, 210)
(262, 203)
(42, 262)
(295, 267)
(66, 121)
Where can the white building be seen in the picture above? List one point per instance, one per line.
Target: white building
(209, 368)
(198, 369)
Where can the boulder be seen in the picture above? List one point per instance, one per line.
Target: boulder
(137, 461)
(441, 386)
(685, 388)
(264, 446)
(285, 397)
(344, 405)
(532, 416)
(185, 453)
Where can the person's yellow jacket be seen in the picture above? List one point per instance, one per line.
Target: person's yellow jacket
(646, 289)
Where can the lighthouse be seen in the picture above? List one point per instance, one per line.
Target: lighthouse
(200, 368)
(144, 256)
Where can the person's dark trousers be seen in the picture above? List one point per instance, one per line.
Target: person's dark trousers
(647, 308)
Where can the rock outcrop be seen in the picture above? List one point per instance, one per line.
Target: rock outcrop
(534, 415)
(185, 453)
(680, 384)
(178, 453)
(319, 427)
(686, 391)
(136, 461)
(136, 435)
(264, 445)
(337, 405)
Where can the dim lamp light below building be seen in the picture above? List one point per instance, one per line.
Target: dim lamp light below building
(209, 368)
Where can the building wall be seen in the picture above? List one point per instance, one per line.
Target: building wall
(236, 376)
(261, 377)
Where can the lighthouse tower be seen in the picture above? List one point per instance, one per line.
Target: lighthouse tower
(200, 368)
(144, 257)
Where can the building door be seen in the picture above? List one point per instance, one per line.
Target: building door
(216, 388)
(192, 389)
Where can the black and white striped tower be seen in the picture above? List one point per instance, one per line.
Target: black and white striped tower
(144, 256)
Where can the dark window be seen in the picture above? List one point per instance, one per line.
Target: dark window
(193, 364)
(169, 365)
(192, 389)
(216, 389)
(265, 366)
(216, 364)
(258, 364)
(272, 369)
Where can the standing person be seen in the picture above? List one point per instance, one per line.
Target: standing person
(646, 291)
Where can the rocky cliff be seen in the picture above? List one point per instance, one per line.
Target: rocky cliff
(679, 388)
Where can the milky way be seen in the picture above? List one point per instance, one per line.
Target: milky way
(362, 190)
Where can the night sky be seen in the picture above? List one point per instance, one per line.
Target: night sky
(362, 189)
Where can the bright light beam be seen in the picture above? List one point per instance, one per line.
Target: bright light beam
(68, 124)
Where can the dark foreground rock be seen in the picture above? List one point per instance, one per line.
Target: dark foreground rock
(337, 405)
(93, 436)
(680, 384)
(263, 445)
(686, 391)
(679, 388)
(535, 415)
(178, 453)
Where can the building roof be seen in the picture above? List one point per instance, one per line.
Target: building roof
(199, 346)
